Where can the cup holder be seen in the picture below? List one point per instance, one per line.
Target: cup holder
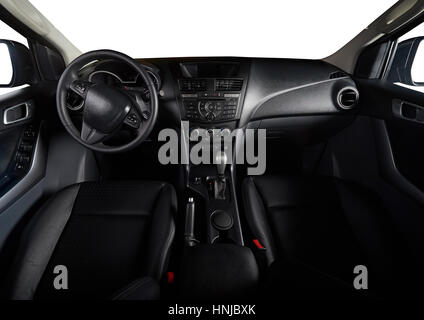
(221, 220)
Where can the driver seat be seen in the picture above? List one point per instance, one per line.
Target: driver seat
(113, 237)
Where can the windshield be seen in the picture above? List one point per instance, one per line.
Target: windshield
(159, 28)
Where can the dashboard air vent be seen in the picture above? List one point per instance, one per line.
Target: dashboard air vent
(193, 85)
(337, 74)
(228, 84)
(347, 98)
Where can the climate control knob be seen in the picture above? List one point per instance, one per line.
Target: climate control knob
(210, 106)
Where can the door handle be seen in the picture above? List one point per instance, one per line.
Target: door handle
(17, 113)
(408, 111)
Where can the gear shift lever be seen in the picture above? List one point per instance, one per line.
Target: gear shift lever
(220, 183)
(221, 162)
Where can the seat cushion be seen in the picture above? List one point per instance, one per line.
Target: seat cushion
(141, 289)
(325, 223)
(114, 232)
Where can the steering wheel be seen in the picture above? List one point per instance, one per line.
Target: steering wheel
(106, 107)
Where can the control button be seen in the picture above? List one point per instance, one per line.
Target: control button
(231, 95)
(81, 86)
(145, 114)
(133, 121)
(189, 95)
(19, 167)
(25, 147)
(202, 109)
(210, 106)
(22, 158)
(210, 116)
(29, 132)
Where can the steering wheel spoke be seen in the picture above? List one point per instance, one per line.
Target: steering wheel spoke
(144, 108)
(80, 87)
(137, 115)
(133, 119)
(90, 135)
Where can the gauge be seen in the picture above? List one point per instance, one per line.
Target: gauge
(105, 77)
(155, 78)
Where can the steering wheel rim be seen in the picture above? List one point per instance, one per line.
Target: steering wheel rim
(70, 76)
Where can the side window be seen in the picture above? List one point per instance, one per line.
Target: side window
(7, 33)
(407, 67)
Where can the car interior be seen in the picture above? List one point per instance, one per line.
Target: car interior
(81, 184)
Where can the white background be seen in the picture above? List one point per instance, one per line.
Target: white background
(174, 28)
(310, 29)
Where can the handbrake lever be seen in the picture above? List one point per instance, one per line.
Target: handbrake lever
(189, 238)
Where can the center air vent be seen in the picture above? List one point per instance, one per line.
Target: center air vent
(193, 85)
(347, 98)
(228, 84)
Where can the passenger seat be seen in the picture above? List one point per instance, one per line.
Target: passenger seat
(317, 229)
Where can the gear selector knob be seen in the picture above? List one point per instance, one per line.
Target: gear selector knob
(221, 162)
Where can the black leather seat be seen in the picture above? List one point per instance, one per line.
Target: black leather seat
(114, 238)
(321, 225)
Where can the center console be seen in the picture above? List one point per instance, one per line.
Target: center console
(212, 188)
(215, 263)
(211, 96)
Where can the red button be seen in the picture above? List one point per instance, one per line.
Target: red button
(171, 277)
(258, 244)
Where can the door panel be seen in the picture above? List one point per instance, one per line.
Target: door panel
(399, 149)
(406, 139)
(402, 110)
(19, 133)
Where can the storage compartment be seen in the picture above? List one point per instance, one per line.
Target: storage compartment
(218, 271)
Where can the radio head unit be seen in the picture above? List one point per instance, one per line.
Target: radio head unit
(210, 100)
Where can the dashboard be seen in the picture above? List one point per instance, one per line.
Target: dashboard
(229, 93)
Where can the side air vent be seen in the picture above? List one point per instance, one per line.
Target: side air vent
(347, 98)
(228, 84)
(337, 74)
(193, 85)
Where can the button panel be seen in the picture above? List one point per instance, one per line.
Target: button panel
(23, 157)
(211, 107)
(21, 160)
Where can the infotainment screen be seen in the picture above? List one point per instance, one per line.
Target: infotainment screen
(209, 69)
